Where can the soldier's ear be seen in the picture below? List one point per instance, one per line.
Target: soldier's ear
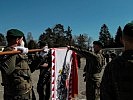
(17, 40)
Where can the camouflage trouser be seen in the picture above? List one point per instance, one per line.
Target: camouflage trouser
(92, 90)
(43, 91)
(97, 91)
(27, 96)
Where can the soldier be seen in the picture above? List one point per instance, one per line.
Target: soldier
(43, 85)
(92, 68)
(98, 51)
(16, 74)
(117, 81)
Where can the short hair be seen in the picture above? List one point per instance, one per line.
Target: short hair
(128, 29)
(128, 32)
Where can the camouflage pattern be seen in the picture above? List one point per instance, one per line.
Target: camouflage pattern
(97, 76)
(16, 77)
(117, 81)
(43, 85)
(93, 67)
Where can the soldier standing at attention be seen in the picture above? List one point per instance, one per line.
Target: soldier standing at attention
(92, 69)
(117, 81)
(16, 74)
(98, 51)
(43, 85)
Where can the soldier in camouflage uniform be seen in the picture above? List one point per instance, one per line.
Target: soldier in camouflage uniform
(16, 74)
(98, 51)
(117, 81)
(42, 62)
(43, 85)
(92, 69)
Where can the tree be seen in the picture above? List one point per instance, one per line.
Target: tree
(68, 36)
(89, 42)
(29, 36)
(57, 36)
(2, 40)
(83, 41)
(104, 36)
(118, 37)
(32, 44)
(60, 35)
(48, 36)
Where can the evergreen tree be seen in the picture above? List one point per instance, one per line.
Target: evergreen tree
(68, 36)
(104, 36)
(118, 37)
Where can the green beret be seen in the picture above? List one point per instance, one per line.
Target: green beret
(15, 33)
(128, 29)
(98, 43)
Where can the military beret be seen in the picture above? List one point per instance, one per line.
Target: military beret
(98, 43)
(128, 29)
(15, 33)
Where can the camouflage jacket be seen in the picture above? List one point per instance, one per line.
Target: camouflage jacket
(45, 72)
(93, 65)
(117, 81)
(16, 75)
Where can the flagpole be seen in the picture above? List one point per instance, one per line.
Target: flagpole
(17, 52)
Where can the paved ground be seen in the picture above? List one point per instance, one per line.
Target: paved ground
(81, 83)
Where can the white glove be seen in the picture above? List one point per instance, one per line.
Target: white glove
(23, 49)
(46, 49)
(44, 52)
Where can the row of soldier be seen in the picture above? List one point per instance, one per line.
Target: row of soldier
(16, 70)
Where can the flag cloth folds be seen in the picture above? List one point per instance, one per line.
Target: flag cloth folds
(64, 80)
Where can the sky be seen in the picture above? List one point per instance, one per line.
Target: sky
(83, 16)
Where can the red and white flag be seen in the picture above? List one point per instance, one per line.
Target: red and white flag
(64, 81)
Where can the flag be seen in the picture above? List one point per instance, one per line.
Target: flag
(64, 80)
